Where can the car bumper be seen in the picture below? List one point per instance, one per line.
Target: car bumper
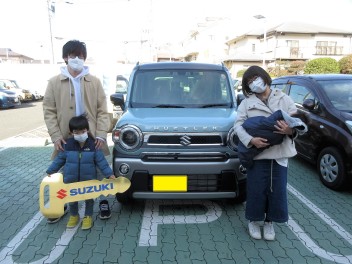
(205, 180)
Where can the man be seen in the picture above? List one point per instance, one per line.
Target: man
(72, 93)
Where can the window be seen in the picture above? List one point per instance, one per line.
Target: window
(300, 93)
(292, 43)
(328, 48)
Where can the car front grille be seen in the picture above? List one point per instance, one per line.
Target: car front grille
(199, 183)
(184, 140)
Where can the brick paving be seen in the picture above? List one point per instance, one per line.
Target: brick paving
(186, 231)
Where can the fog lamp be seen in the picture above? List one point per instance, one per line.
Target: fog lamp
(124, 168)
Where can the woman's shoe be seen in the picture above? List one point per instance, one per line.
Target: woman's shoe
(269, 232)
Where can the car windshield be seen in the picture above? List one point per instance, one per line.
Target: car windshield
(339, 93)
(181, 88)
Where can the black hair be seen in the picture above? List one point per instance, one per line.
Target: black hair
(252, 72)
(74, 47)
(78, 123)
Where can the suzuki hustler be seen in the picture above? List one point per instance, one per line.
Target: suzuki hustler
(175, 138)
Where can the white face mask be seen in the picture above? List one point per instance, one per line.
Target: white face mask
(81, 137)
(257, 86)
(76, 64)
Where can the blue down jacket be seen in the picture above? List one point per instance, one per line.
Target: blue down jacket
(260, 126)
(80, 164)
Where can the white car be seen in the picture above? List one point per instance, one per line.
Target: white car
(22, 94)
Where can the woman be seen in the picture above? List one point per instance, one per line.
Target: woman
(267, 178)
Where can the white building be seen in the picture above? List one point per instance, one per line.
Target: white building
(290, 41)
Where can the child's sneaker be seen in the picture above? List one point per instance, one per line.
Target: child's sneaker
(87, 222)
(105, 212)
(54, 220)
(72, 221)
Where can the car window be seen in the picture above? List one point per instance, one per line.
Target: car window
(339, 92)
(300, 93)
(181, 88)
(281, 86)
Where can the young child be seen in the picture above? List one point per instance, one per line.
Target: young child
(80, 160)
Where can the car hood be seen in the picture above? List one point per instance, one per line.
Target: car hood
(173, 120)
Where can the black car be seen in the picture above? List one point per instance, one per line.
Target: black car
(324, 103)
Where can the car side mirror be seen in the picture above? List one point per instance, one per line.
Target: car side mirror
(117, 99)
(309, 104)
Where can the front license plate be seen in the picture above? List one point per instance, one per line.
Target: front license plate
(167, 183)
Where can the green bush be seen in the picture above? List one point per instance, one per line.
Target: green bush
(240, 73)
(322, 65)
(346, 64)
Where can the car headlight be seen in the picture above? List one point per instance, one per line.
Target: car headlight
(349, 125)
(232, 139)
(129, 137)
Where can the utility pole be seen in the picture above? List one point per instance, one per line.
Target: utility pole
(51, 10)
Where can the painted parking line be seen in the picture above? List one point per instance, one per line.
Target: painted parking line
(308, 242)
(152, 219)
(55, 252)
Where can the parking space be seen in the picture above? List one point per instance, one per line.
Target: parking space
(166, 231)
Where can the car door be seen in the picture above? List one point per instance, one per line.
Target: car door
(307, 145)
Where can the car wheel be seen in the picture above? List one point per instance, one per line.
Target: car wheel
(331, 168)
(124, 198)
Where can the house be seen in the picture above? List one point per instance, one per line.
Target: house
(287, 42)
(7, 55)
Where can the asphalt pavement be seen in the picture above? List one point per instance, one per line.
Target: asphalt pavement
(168, 231)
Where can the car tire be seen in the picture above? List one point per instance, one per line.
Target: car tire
(331, 168)
(124, 198)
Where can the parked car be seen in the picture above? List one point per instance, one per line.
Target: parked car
(324, 103)
(22, 94)
(237, 87)
(121, 87)
(31, 93)
(173, 144)
(8, 98)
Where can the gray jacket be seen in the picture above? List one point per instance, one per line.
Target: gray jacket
(251, 107)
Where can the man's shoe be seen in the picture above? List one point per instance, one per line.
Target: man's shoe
(54, 220)
(72, 221)
(268, 230)
(105, 212)
(254, 230)
(87, 223)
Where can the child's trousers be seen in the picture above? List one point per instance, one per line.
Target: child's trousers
(89, 207)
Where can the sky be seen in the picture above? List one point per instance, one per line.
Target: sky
(106, 24)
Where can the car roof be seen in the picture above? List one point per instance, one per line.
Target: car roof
(179, 65)
(317, 77)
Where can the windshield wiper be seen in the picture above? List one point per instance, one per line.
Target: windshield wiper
(168, 106)
(213, 105)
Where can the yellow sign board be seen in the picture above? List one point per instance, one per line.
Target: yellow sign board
(167, 183)
(61, 193)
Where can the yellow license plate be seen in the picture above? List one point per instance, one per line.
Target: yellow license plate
(167, 183)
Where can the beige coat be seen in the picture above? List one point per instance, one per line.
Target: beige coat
(252, 106)
(59, 107)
